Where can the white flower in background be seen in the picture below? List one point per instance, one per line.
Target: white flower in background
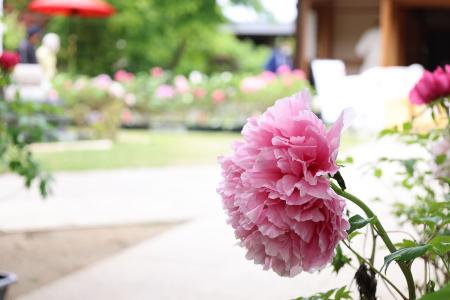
(440, 151)
(226, 76)
(196, 77)
(181, 84)
(130, 99)
(116, 90)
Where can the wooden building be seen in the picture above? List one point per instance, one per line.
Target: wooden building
(412, 31)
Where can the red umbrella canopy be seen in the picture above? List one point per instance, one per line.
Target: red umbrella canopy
(82, 8)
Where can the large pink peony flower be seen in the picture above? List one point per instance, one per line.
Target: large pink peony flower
(281, 207)
(431, 86)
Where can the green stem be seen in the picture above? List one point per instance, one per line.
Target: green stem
(383, 235)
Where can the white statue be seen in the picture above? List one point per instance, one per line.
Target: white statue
(46, 54)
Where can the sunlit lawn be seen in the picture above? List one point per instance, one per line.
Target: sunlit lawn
(142, 148)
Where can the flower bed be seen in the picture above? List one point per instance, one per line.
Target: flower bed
(161, 98)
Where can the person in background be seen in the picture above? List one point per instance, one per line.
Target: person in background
(26, 49)
(369, 48)
(281, 56)
(46, 54)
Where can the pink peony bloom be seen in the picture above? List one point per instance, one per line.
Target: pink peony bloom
(123, 76)
(156, 72)
(218, 96)
(282, 209)
(165, 91)
(181, 84)
(431, 86)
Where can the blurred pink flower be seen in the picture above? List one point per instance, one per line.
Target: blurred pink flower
(218, 96)
(53, 95)
(283, 70)
(164, 91)
(102, 81)
(199, 93)
(253, 84)
(431, 86)
(127, 116)
(181, 84)
(268, 76)
(275, 191)
(299, 74)
(156, 72)
(123, 76)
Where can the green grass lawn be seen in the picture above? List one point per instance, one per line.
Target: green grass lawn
(143, 148)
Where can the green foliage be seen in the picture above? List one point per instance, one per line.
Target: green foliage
(406, 254)
(334, 294)
(357, 222)
(14, 30)
(23, 123)
(441, 294)
(339, 260)
(176, 35)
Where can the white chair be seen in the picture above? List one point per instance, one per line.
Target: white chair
(327, 74)
(28, 80)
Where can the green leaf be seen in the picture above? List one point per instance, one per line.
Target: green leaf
(440, 159)
(406, 244)
(441, 244)
(407, 126)
(441, 294)
(339, 260)
(429, 221)
(353, 234)
(339, 294)
(378, 172)
(405, 255)
(387, 131)
(357, 222)
(342, 293)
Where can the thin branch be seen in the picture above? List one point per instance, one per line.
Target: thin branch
(375, 270)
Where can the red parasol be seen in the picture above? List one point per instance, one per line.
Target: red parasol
(82, 8)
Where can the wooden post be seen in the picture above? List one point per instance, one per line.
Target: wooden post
(325, 30)
(300, 60)
(390, 19)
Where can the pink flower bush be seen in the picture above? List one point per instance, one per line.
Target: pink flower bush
(181, 84)
(276, 192)
(123, 76)
(165, 91)
(199, 93)
(431, 86)
(156, 72)
(218, 96)
(102, 81)
(283, 70)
